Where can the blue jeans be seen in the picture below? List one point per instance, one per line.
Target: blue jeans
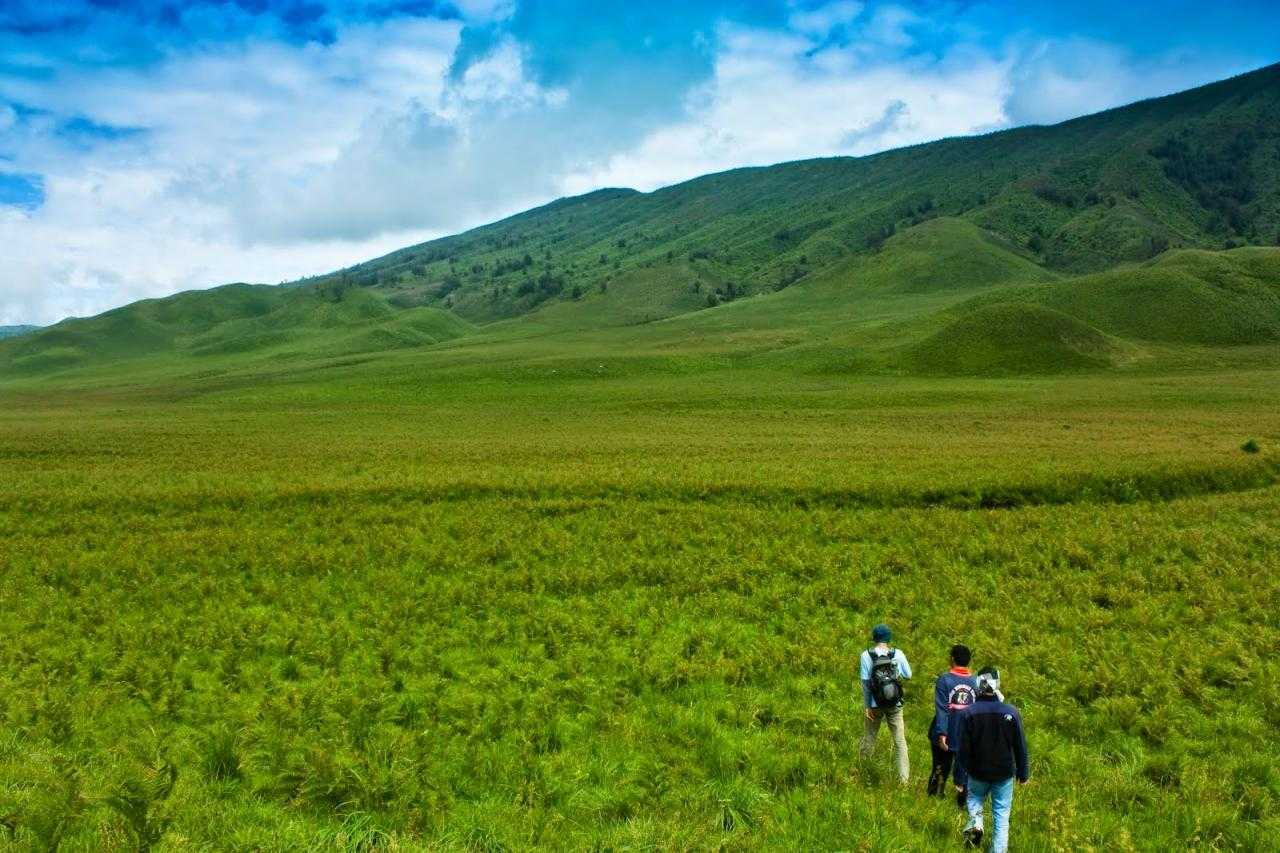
(1001, 804)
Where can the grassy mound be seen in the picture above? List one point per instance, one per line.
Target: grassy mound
(944, 254)
(116, 335)
(1184, 297)
(1012, 338)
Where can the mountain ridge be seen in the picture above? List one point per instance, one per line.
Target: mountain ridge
(14, 331)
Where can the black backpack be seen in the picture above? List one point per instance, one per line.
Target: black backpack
(886, 681)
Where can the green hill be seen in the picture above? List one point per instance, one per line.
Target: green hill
(1207, 298)
(241, 319)
(1190, 170)
(1118, 220)
(1012, 338)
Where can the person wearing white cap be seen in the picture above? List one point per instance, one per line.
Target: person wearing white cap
(991, 749)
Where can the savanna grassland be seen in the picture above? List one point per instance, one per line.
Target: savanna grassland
(567, 532)
(397, 609)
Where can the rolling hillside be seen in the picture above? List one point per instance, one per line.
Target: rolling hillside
(1106, 229)
(235, 319)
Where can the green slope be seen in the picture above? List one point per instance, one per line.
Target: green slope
(248, 321)
(1208, 298)
(1188, 299)
(825, 264)
(1191, 170)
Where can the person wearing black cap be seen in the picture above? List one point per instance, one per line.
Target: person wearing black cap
(991, 748)
(882, 670)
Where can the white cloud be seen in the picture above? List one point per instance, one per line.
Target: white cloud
(888, 27)
(105, 240)
(486, 10)
(1054, 80)
(500, 77)
(822, 20)
(770, 100)
(434, 162)
(261, 162)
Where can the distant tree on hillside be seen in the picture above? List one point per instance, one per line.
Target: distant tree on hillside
(876, 237)
(550, 285)
(1046, 190)
(788, 277)
(1218, 176)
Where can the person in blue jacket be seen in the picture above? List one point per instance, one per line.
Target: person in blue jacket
(991, 748)
(953, 691)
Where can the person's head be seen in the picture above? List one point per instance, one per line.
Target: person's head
(989, 681)
(960, 655)
(881, 634)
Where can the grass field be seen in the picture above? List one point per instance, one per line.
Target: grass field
(567, 532)
(419, 604)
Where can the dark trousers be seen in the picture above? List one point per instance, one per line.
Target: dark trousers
(940, 773)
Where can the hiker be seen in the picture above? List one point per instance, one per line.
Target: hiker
(883, 669)
(953, 691)
(991, 748)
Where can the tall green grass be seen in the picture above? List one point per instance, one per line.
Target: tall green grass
(380, 609)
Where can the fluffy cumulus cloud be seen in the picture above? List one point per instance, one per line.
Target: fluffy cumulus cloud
(151, 147)
(778, 96)
(1052, 80)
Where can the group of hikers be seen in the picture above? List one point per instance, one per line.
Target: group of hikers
(976, 737)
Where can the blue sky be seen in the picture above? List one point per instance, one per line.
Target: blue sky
(155, 146)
